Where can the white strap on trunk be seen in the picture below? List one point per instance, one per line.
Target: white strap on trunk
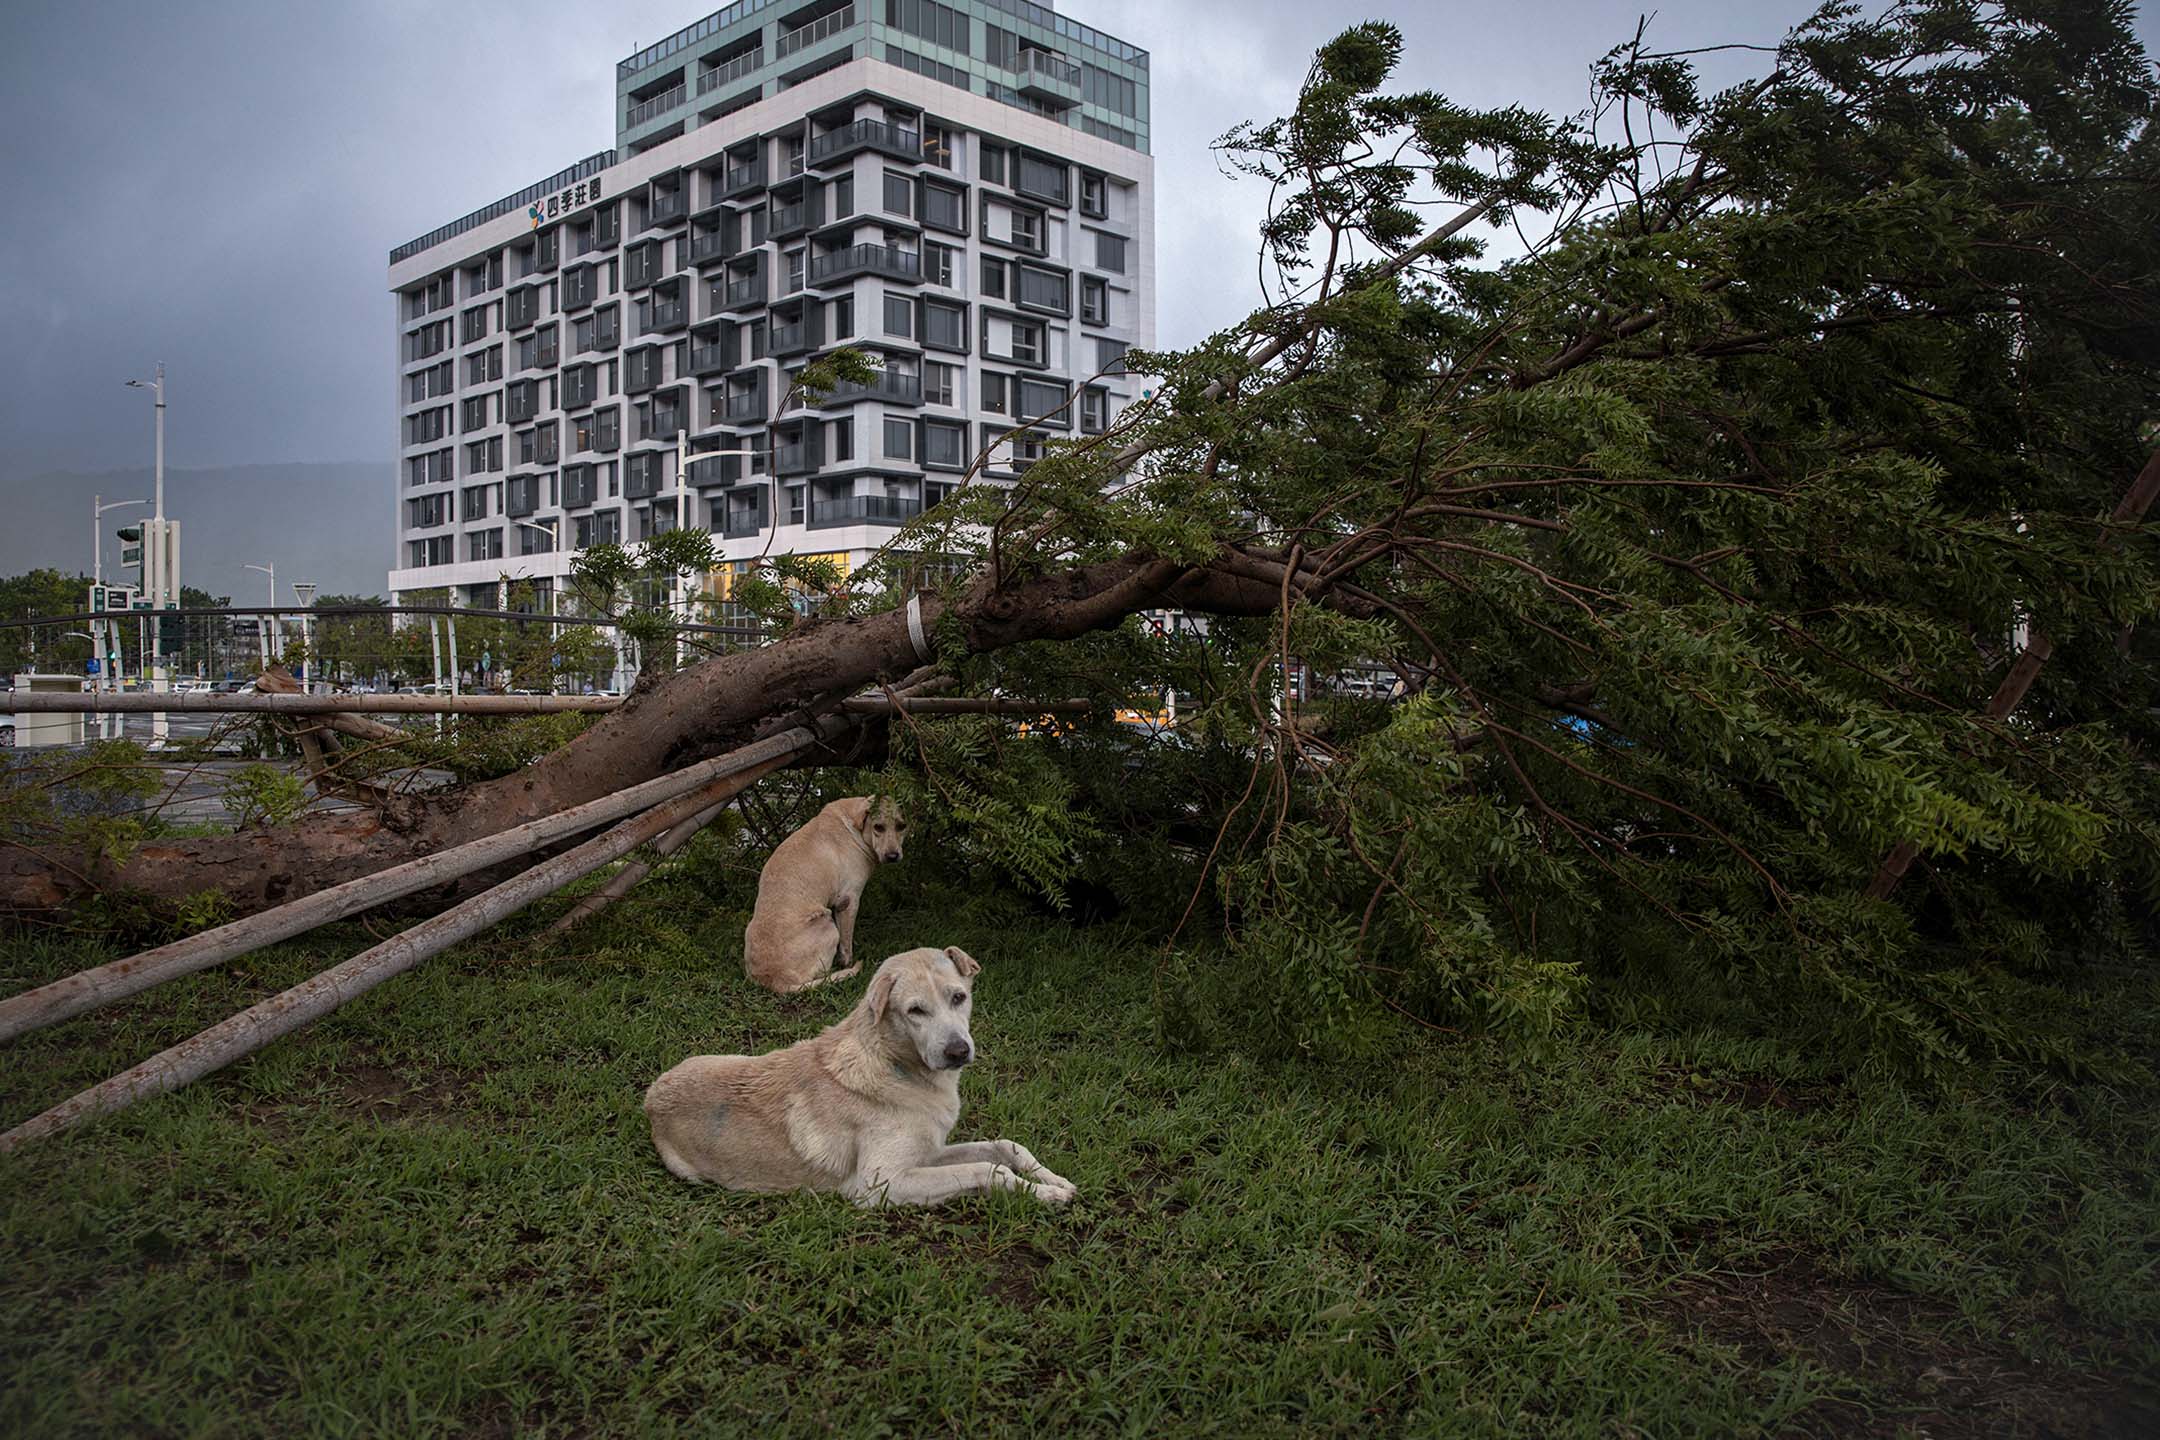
(915, 628)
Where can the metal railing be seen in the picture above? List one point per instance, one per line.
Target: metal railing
(889, 385)
(660, 104)
(589, 166)
(865, 509)
(883, 259)
(803, 36)
(866, 132)
(1050, 66)
(735, 69)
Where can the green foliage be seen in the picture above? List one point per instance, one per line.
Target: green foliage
(260, 794)
(90, 800)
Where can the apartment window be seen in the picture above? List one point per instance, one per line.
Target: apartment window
(899, 194)
(992, 164)
(1093, 196)
(899, 316)
(1110, 356)
(940, 383)
(607, 429)
(795, 504)
(484, 545)
(1043, 402)
(436, 551)
(427, 511)
(843, 439)
(842, 195)
(1043, 179)
(1045, 289)
(937, 141)
(1094, 301)
(486, 366)
(578, 487)
(944, 444)
(937, 263)
(899, 439)
(476, 502)
(944, 327)
(842, 318)
(474, 326)
(994, 389)
(1110, 253)
(993, 278)
(944, 208)
(1027, 230)
(1027, 342)
(795, 263)
(1094, 410)
(607, 327)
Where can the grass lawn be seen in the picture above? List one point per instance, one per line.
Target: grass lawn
(438, 1213)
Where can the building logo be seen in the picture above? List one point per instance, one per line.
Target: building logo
(534, 212)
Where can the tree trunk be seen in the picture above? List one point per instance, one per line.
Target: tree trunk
(665, 724)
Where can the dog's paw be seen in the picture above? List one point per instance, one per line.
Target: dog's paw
(1052, 1190)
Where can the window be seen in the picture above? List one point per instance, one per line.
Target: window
(427, 510)
(474, 326)
(1027, 342)
(899, 439)
(992, 164)
(1043, 179)
(476, 502)
(843, 317)
(1093, 196)
(795, 504)
(944, 327)
(1109, 253)
(1094, 410)
(937, 141)
(944, 208)
(993, 281)
(937, 263)
(899, 316)
(939, 383)
(843, 197)
(1045, 290)
(899, 194)
(1110, 356)
(795, 263)
(485, 545)
(1094, 301)
(1027, 230)
(944, 444)
(1042, 402)
(994, 388)
(486, 366)
(436, 551)
(938, 24)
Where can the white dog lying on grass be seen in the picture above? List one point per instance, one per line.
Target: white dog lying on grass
(862, 1108)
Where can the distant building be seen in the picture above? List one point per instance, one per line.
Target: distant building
(963, 190)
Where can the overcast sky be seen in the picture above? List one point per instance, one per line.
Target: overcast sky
(218, 185)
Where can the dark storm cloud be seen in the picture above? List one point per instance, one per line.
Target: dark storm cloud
(218, 184)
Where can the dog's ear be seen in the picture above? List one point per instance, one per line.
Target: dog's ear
(879, 995)
(965, 963)
(869, 808)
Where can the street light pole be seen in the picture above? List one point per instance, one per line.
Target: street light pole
(304, 591)
(99, 628)
(160, 552)
(271, 618)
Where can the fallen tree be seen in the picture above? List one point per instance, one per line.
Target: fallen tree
(1697, 536)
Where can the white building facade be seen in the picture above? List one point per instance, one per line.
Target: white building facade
(961, 191)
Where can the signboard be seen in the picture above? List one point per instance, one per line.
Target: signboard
(554, 207)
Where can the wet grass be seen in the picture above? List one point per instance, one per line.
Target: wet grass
(438, 1213)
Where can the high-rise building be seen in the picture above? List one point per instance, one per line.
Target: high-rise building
(962, 190)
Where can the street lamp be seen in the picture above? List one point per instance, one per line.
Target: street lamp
(304, 591)
(271, 618)
(161, 554)
(679, 602)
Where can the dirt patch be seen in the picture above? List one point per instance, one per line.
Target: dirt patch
(1013, 1276)
(1913, 1368)
(435, 1095)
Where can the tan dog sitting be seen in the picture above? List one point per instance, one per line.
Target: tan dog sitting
(863, 1108)
(811, 890)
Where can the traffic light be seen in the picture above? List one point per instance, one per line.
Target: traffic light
(131, 546)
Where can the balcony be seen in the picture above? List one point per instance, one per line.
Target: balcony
(747, 511)
(711, 357)
(890, 386)
(730, 71)
(654, 108)
(800, 337)
(743, 179)
(1045, 75)
(801, 457)
(804, 215)
(864, 510)
(881, 260)
(747, 293)
(804, 36)
(709, 247)
(866, 135)
(668, 314)
(667, 207)
(746, 407)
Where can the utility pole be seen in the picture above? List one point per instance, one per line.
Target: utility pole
(270, 619)
(105, 634)
(305, 591)
(161, 557)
